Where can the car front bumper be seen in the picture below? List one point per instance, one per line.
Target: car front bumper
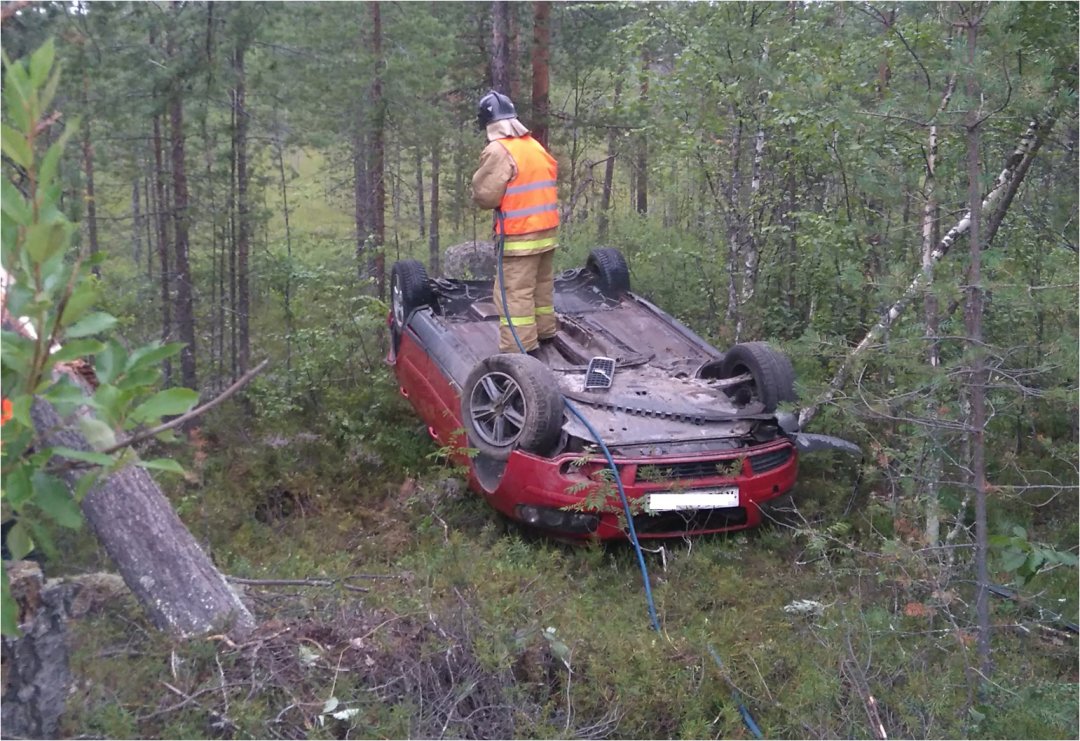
(566, 496)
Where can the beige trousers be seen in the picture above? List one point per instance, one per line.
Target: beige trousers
(530, 288)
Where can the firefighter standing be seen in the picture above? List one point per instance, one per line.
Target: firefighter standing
(517, 177)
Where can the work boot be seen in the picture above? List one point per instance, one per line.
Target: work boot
(536, 352)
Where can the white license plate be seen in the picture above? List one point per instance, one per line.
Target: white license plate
(666, 501)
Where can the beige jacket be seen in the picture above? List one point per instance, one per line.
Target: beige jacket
(497, 169)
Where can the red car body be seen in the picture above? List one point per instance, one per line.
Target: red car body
(565, 493)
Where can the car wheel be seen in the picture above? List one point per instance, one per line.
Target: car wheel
(409, 290)
(609, 267)
(512, 401)
(771, 371)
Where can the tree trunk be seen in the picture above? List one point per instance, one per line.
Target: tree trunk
(88, 166)
(378, 183)
(973, 316)
(36, 668)
(162, 245)
(642, 164)
(361, 199)
(182, 592)
(609, 168)
(500, 46)
(930, 313)
(288, 266)
(732, 215)
(148, 221)
(751, 233)
(421, 217)
(243, 216)
(233, 221)
(433, 232)
(541, 55)
(185, 304)
(136, 223)
(513, 45)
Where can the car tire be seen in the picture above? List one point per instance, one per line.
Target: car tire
(409, 290)
(512, 401)
(609, 267)
(773, 376)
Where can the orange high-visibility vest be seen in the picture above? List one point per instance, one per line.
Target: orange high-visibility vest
(531, 201)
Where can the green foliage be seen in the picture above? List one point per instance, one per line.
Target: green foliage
(52, 295)
(1025, 559)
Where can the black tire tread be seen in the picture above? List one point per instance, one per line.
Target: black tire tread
(774, 376)
(609, 266)
(415, 289)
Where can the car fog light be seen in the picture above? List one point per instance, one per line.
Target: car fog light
(529, 515)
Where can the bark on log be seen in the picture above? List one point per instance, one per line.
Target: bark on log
(1007, 181)
(181, 590)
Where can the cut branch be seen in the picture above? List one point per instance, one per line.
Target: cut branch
(171, 424)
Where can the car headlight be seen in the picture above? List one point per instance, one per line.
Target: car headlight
(557, 519)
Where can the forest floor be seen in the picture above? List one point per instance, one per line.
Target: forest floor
(419, 613)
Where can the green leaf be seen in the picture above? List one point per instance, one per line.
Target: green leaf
(65, 396)
(44, 240)
(20, 410)
(170, 401)
(152, 354)
(1013, 559)
(17, 489)
(50, 163)
(76, 349)
(13, 204)
(162, 464)
(92, 324)
(15, 146)
(15, 94)
(86, 483)
(16, 351)
(85, 456)
(112, 403)
(19, 541)
(98, 434)
(52, 496)
(9, 619)
(43, 539)
(46, 98)
(81, 299)
(41, 62)
(110, 362)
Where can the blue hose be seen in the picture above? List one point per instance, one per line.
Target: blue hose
(592, 431)
(747, 718)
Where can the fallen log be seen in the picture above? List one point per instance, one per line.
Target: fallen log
(181, 590)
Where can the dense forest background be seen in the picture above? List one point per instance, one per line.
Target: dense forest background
(794, 172)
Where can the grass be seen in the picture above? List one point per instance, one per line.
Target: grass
(559, 632)
(481, 630)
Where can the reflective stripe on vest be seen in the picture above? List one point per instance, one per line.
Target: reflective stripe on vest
(531, 244)
(531, 201)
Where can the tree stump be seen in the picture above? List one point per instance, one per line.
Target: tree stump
(36, 673)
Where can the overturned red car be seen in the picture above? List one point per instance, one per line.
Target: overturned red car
(694, 432)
